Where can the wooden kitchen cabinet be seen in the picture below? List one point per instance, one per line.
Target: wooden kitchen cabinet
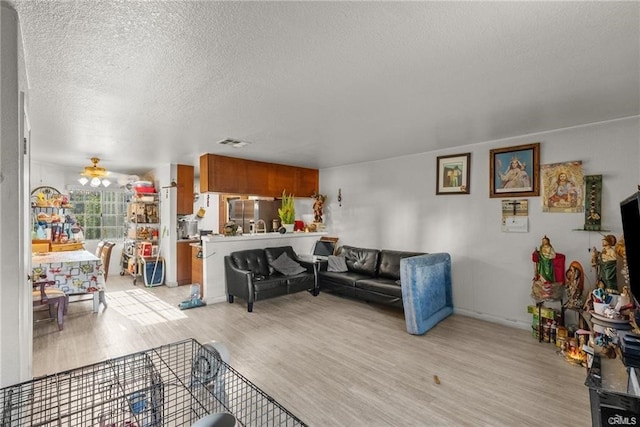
(183, 261)
(196, 268)
(185, 181)
(221, 174)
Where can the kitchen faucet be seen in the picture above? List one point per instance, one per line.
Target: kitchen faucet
(259, 229)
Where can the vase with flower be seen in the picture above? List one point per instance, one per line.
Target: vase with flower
(287, 211)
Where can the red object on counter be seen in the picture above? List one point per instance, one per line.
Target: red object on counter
(298, 226)
(144, 189)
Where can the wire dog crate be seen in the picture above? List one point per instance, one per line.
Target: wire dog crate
(172, 385)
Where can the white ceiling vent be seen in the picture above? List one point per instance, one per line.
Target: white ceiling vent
(234, 143)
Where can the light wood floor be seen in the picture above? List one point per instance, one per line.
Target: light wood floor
(338, 362)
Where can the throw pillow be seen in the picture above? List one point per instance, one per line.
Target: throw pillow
(285, 265)
(337, 264)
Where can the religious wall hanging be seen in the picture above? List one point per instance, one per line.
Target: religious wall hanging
(593, 202)
(562, 185)
(514, 171)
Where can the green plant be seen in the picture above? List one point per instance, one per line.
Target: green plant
(287, 212)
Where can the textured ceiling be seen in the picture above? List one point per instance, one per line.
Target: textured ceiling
(317, 84)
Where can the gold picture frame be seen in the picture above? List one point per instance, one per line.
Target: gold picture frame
(515, 171)
(453, 174)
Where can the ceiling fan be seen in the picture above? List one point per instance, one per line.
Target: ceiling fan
(96, 176)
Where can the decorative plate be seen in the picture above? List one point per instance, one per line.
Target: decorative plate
(606, 319)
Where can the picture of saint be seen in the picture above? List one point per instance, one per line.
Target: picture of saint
(562, 187)
(513, 171)
(515, 176)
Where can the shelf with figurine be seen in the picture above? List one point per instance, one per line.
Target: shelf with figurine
(142, 230)
(53, 219)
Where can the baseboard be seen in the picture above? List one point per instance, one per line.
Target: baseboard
(493, 319)
(215, 300)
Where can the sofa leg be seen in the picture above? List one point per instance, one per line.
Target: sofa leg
(315, 292)
(230, 299)
(249, 307)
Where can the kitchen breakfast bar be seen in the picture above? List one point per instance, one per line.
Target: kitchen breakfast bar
(214, 249)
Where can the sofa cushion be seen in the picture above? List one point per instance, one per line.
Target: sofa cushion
(253, 260)
(270, 287)
(389, 264)
(274, 252)
(285, 265)
(336, 264)
(300, 282)
(360, 260)
(383, 286)
(344, 279)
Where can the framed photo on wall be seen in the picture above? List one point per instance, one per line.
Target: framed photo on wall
(453, 174)
(514, 171)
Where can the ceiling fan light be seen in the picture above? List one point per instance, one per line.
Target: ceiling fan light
(83, 180)
(94, 171)
(95, 182)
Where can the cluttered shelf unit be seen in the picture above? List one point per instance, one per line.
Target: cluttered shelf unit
(141, 249)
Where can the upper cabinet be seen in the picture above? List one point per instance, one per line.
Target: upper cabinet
(221, 174)
(185, 181)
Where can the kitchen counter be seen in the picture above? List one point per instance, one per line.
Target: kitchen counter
(260, 236)
(188, 240)
(216, 247)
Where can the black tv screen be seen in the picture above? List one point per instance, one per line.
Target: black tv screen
(323, 248)
(630, 212)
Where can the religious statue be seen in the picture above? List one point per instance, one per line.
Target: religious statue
(605, 263)
(575, 285)
(318, 205)
(548, 272)
(543, 259)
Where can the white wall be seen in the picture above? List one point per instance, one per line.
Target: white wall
(15, 295)
(391, 204)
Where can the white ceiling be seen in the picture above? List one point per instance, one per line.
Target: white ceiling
(316, 84)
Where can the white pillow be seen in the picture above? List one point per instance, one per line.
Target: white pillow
(287, 266)
(336, 264)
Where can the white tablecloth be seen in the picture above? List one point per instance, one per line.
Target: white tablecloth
(75, 272)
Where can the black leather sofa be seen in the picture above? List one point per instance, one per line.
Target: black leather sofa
(372, 275)
(249, 275)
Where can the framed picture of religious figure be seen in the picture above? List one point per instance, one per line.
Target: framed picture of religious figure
(514, 171)
(562, 185)
(453, 174)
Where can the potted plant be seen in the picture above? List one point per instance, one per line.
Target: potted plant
(287, 212)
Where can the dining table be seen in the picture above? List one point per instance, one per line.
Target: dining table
(74, 272)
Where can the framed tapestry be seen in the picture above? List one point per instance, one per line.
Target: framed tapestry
(453, 174)
(514, 171)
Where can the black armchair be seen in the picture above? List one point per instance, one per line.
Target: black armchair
(251, 276)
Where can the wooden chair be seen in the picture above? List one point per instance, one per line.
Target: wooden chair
(44, 293)
(105, 256)
(99, 249)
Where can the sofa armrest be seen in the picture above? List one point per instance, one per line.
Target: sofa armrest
(239, 282)
(306, 264)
